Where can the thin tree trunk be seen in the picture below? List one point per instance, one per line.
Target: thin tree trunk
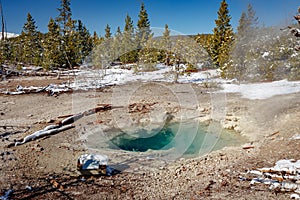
(2, 21)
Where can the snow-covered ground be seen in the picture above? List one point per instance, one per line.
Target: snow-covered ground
(116, 76)
(87, 79)
(263, 90)
(94, 79)
(91, 79)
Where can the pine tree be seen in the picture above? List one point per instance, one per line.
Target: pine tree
(84, 43)
(117, 45)
(148, 56)
(248, 23)
(242, 27)
(65, 16)
(68, 33)
(31, 46)
(53, 56)
(103, 54)
(5, 51)
(166, 46)
(246, 33)
(107, 32)
(143, 28)
(222, 37)
(16, 49)
(95, 39)
(129, 52)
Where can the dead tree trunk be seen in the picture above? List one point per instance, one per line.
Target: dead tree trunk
(2, 21)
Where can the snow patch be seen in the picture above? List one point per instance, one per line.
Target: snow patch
(263, 90)
(116, 76)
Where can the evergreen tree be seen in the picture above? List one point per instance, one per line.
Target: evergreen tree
(5, 51)
(31, 47)
(84, 43)
(246, 33)
(143, 28)
(129, 25)
(65, 16)
(129, 52)
(148, 56)
(68, 34)
(53, 56)
(95, 39)
(16, 49)
(117, 45)
(242, 27)
(107, 32)
(166, 46)
(204, 41)
(103, 53)
(248, 23)
(222, 37)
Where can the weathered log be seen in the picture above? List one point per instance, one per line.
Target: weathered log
(63, 125)
(44, 132)
(51, 89)
(71, 119)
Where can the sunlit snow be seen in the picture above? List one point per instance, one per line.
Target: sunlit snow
(100, 78)
(263, 90)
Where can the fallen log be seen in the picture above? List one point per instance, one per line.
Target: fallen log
(284, 176)
(63, 125)
(50, 89)
(71, 119)
(44, 132)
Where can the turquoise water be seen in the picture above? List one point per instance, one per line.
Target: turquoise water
(188, 138)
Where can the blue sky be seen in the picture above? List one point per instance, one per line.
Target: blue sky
(187, 17)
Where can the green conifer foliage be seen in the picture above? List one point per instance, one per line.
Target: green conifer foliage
(95, 39)
(5, 51)
(107, 32)
(84, 43)
(148, 56)
(31, 42)
(129, 47)
(103, 54)
(166, 46)
(53, 56)
(68, 33)
(117, 45)
(222, 38)
(143, 28)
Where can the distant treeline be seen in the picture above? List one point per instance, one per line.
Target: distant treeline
(252, 52)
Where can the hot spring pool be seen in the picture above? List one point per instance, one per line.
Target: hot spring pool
(185, 138)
